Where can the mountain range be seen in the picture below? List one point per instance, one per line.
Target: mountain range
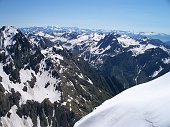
(120, 58)
(161, 36)
(54, 76)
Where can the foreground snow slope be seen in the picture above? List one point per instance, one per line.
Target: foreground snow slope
(145, 105)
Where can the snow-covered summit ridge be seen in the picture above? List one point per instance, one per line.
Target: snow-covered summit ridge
(7, 34)
(15, 44)
(144, 105)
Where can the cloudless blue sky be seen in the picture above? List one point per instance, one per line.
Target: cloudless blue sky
(133, 15)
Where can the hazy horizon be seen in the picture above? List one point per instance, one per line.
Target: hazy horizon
(125, 15)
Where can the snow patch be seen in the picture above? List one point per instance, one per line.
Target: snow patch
(97, 37)
(38, 122)
(126, 41)
(38, 92)
(40, 33)
(8, 33)
(166, 60)
(62, 39)
(157, 72)
(14, 120)
(88, 80)
(140, 49)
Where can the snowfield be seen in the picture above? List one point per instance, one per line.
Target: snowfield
(145, 105)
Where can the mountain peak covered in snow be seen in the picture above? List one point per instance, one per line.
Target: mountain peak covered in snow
(103, 48)
(7, 34)
(49, 71)
(40, 80)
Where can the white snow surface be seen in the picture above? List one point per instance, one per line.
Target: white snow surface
(166, 60)
(8, 33)
(145, 105)
(15, 120)
(157, 72)
(140, 49)
(127, 41)
(38, 92)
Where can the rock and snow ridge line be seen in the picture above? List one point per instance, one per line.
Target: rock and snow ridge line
(144, 105)
(81, 38)
(39, 92)
(96, 47)
(161, 36)
(7, 36)
(45, 76)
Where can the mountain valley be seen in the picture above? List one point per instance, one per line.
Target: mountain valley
(52, 77)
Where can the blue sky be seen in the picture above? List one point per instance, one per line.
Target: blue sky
(133, 15)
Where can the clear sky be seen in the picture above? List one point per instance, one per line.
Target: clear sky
(133, 15)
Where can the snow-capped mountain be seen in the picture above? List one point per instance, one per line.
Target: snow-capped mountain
(50, 29)
(124, 60)
(43, 85)
(138, 35)
(145, 105)
(54, 76)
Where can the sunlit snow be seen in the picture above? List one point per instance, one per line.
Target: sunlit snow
(145, 105)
